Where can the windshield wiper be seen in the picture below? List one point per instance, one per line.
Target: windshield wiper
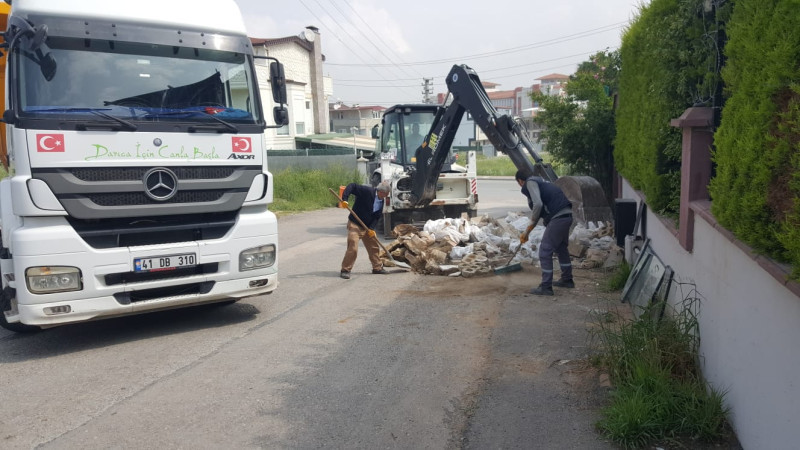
(82, 126)
(129, 125)
(226, 125)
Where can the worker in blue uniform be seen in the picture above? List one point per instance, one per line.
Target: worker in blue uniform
(548, 202)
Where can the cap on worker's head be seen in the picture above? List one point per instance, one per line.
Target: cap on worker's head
(384, 187)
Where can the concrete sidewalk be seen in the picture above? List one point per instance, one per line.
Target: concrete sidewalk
(540, 391)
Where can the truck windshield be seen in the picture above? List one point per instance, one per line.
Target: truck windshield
(137, 82)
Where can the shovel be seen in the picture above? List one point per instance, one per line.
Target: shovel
(397, 263)
(510, 268)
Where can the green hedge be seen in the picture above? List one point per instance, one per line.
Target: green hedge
(669, 55)
(757, 184)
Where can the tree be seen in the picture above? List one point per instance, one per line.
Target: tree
(579, 128)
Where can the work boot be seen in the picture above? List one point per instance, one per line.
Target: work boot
(569, 284)
(542, 290)
(345, 274)
(380, 271)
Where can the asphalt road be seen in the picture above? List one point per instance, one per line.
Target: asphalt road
(378, 361)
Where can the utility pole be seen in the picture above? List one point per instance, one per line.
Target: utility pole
(427, 90)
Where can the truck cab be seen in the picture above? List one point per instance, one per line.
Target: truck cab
(137, 176)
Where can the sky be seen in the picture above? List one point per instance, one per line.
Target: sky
(379, 52)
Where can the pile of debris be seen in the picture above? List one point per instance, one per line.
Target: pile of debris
(475, 247)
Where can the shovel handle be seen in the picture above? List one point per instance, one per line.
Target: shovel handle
(389, 255)
(513, 255)
(361, 222)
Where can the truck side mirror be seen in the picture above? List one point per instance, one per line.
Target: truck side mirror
(47, 64)
(281, 115)
(39, 36)
(277, 81)
(9, 117)
(374, 132)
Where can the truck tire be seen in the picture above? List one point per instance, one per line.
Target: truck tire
(375, 180)
(227, 302)
(5, 305)
(18, 327)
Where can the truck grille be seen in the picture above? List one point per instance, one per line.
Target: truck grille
(134, 198)
(137, 173)
(91, 193)
(114, 233)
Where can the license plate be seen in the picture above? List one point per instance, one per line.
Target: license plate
(167, 262)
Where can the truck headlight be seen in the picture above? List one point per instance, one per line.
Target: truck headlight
(49, 279)
(257, 258)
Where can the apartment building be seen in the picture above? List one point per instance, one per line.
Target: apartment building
(344, 118)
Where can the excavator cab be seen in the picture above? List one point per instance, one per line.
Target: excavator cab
(403, 130)
(402, 146)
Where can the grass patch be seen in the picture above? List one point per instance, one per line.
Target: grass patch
(299, 190)
(660, 396)
(496, 166)
(618, 278)
(500, 165)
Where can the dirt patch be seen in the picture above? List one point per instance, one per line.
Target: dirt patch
(442, 287)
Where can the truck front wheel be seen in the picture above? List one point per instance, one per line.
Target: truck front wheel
(5, 305)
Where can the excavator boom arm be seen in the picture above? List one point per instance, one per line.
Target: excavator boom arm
(504, 132)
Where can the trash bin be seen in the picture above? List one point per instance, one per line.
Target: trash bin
(624, 219)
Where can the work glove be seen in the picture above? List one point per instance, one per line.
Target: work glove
(371, 233)
(345, 205)
(523, 238)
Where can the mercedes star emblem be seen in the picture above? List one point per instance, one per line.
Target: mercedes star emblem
(160, 184)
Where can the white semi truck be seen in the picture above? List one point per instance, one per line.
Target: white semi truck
(137, 174)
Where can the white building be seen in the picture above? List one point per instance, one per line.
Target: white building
(307, 89)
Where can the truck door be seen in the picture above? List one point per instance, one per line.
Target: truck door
(390, 136)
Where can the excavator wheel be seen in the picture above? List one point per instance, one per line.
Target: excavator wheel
(588, 199)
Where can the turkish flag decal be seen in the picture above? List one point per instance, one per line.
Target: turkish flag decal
(49, 143)
(241, 144)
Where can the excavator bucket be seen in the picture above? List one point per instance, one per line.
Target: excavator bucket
(588, 199)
